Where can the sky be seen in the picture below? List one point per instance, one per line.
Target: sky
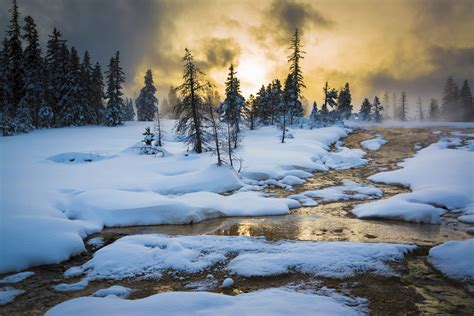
(375, 45)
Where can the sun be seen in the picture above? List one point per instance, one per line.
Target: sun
(252, 72)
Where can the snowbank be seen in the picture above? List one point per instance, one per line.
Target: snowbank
(148, 256)
(349, 190)
(114, 290)
(8, 294)
(438, 176)
(373, 144)
(16, 277)
(66, 183)
(266, 302)
(454, 258)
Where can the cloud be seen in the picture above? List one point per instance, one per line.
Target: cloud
(219, 53)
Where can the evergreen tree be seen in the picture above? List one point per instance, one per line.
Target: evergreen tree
(314, 116)
(165, 107)
(386, 106)
(344, 106)
(128, 111)
(263, 106)
(330, 96)
(172, 100)
(3, 80)
(158, 131)
(294, 59)
(97, 94)
(276, 100)
(216, 128)
(434, 110)
(403, 107)
(54, 71)
(450, 109)
(190, 109)
(232, 105)
(466, 102)
(324, 115)
(250, 111)
(33, 68)
(86, 83)
(421, 115)
(147, 102)
(287, 105)
(115, 79)
(365, 112)
(377, 110)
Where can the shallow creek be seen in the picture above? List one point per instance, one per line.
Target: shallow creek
(417, 289)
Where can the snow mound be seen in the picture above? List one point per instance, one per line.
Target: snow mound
(77, 158)
(345, 158)
(438, 176)
(8, 294)
(349, 190)
(373, 144)
(96, 242)
(15, 278)
(114, 290)
(454, 258)
(149, 256)
(266, 302)
(228, 282)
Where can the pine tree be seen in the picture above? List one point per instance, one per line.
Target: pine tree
(250, 111)
(86, 83)
(54, 71)
(97, 94)
(34, 88)
(276, 100)
(434, 110)
(344, 106)
(172, 100)
(286, 108)
(147, 102)
(330, 96)
(403, 106)
(115, 79)
(314, 116)
(450, 109)
(216, 128)
(128, 111)
(324, 115)
(232, 105)
(294, 59)
(190, 109)
(377, 110)
(262, 100)
(365, 112)
(386, 106)
(466, 102)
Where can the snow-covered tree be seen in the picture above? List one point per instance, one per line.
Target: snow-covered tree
(324, 115)
(147, 102)
(232, 105)
(55, 71)
(344, 103)
(377, 110)
(190, 110)
(115, 79)
(250, 111)
(365, 112)
(86, 82)
(314, 116)
(97, 94)
(286, 107)
(148, 137)
(294, 59)
(128, 111)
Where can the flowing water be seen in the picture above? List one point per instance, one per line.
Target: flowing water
(418, 289)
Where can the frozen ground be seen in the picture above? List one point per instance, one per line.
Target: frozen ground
(454, 258)
(64, 184)
(149, 256)
(440, 177)
(278, 301)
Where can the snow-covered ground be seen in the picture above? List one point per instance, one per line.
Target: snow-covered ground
(59, 185)
(438, 175)
(149, 256)
(454, 258)
(8, 294)
(278, 301)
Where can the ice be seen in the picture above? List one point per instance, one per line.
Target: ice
(454, 258)
(228, 282)
(16, 277)
(373, 144)
(114, 290)
(466, 219)
(96, 242)
(8, 294)
(276, 301)
(149, 256)
(52, 203)
(438, 175)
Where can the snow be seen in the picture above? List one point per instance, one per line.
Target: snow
(454, 258)
(345, 158)
(15, 278)
(96, 242)
(409, 124)
(349, 190)
(466, 219)
(71, 287)
(8, 294)
(373, 144)
(107, 184)
(276, 301)
(114, 290)
(228, 282)
(149, 256)
(438, 175)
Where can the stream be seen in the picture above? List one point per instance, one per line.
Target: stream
(417, 289)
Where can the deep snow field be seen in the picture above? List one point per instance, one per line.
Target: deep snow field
(61, 185)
